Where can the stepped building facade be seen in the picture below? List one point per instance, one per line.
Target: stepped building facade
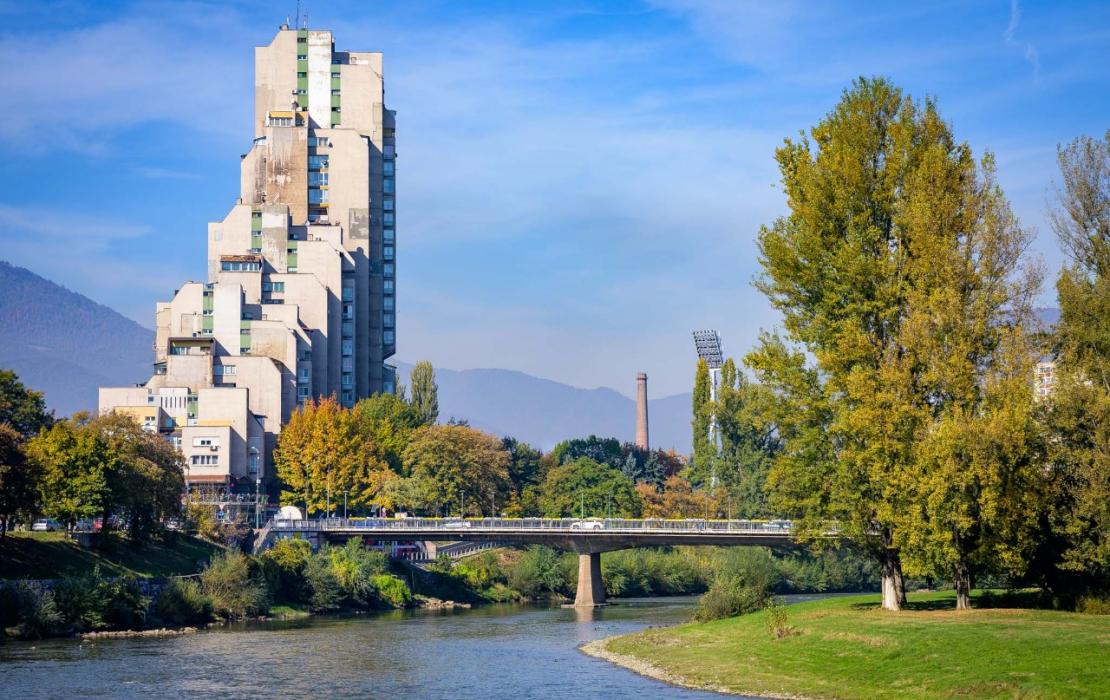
(300, 297)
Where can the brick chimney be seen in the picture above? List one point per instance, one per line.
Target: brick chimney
(641, 412)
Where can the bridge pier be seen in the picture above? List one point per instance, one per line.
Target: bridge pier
(591, 589)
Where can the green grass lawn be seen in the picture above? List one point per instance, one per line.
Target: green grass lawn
(51, 555)
(849, 648)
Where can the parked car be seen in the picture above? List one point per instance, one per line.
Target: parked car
(587, 525)
(45, 525)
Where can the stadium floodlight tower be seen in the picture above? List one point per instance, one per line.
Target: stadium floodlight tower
(708, 345)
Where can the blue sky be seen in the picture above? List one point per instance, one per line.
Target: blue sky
(580, 183)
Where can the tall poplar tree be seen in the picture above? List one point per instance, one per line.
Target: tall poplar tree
(1079, 410)
(885, 207)
(702, 410)
(425, 393)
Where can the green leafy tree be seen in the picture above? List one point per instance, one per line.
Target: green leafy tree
(18, 480)
(705, 451)
(749, 441)
(425, 393)
(895, 274)
(107, 465)
(21, 408)
(390, 421)
(455, 464)
(1078, 414)
(586, 487)
(526, 469)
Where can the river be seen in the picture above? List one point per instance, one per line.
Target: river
(488, 653)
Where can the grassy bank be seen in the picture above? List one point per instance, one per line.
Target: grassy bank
(42, 555)
(848, 648)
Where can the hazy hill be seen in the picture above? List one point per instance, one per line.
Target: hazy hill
(64, 344)
(543, 412)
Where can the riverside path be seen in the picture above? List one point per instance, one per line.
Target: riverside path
(588, 538)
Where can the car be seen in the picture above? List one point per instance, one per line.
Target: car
(457, 523)
(587, 525)
(44, 525)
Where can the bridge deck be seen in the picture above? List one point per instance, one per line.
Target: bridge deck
(576, 535)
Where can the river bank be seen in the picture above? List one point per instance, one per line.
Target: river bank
(847, 648)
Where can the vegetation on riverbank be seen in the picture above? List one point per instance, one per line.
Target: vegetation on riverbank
(52, 555)
(849, 648)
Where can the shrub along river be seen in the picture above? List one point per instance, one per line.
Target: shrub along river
(491, 652)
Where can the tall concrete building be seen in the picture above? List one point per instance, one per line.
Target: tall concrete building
(300, 300)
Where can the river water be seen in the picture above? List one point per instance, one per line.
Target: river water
(487, 653)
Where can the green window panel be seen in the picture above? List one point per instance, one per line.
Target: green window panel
(302, 65)
(335, 119)
(302, 83)
(334, 81)
(245, 324)
(291, 260)
(302, 33)
(206, 323)
(291, 243)
(335, 100)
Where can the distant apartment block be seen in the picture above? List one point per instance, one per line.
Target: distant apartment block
(300, 300)
(1044, 379)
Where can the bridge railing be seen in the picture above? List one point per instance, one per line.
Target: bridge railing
(568, 525)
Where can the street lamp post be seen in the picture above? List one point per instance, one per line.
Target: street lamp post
(257, 484)
(344, 504)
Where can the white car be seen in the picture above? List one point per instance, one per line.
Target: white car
(457, 523)
(44, 525)
(587, 525)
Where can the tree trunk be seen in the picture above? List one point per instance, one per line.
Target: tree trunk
(962, 580)
(894, 592)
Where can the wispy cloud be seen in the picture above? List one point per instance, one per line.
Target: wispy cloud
(1027, 48)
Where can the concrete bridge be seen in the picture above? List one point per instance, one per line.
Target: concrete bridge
(588, 538)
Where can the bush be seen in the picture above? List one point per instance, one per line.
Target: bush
(776, 619)
(391, 591)
(127, 606)
(83, 601)
(183, 602)
(482, 571)
(729, 597)
(39, 616)
(539, 570)
(284, 565)
(9, 607)
(322, 588)
(1091, 605)
(234, 591)
(354, 566)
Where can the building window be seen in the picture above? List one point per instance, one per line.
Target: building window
(204, 460)
(267, 287)
(302, 74)
(305, 375)
(279, 286)
(387, 218)
(302, 392)
(301, 57)
(223, 370)
(317, 162)
(348, 364)
(387, 234)
(231, 266)
(318, 141)
(387, 320)
(387, 185)
(387, 286)
(206, 442)
(387, 303)
(387, 204)
(348, 293)
(348, 329)
(252, 463)
(315, 179)
(348, 310)
(387, 252)
(387, 167)
(348, 398)
(387, 269)
(387, 337)
(317, 196)
(348, 347)
(348, 380)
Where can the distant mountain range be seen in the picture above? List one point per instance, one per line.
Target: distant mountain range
(66, 345)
